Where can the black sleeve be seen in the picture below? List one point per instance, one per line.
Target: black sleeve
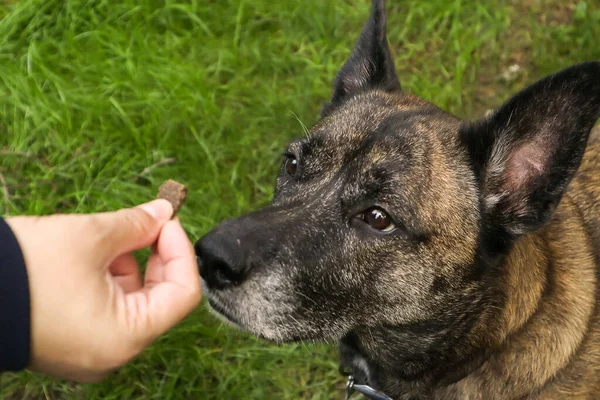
(14, 303)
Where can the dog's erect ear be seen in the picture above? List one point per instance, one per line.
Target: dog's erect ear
(526, 152)
(370, 65)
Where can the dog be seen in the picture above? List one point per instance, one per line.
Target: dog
(449, 259)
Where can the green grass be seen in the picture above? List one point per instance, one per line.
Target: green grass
(97, 97)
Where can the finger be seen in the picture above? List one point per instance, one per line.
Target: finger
(126, 272)
(172, 243)
(154, 270)
(130, 229)
(176, 292)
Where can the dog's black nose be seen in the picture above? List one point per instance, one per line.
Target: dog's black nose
(221, 261)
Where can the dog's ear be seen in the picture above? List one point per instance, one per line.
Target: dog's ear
(370, 65)
(525, 153)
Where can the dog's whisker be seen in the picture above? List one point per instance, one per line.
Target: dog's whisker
(304, 128)
(299, 293)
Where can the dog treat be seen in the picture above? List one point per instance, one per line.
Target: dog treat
(174, 192)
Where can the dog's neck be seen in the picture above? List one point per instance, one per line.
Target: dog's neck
(490, 356)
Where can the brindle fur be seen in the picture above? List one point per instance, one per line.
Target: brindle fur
(486, 289)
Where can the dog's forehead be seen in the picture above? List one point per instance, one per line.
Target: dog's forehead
(358, 121)
(373, 128)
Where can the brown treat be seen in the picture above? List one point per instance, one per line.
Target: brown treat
(174, 192)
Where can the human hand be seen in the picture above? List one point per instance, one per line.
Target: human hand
(91, 311)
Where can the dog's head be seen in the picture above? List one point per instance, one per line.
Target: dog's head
(390, 210)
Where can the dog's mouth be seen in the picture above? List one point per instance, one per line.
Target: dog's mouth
(222, 313)
(218, 309)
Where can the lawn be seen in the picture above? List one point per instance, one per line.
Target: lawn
(101, 100)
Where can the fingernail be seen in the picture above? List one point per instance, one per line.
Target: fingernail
(160, 209)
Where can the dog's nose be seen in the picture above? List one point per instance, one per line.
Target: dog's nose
(221, 261)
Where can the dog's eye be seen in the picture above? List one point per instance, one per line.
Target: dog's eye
(291, 165)
(378, 219)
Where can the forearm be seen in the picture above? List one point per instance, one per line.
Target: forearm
(15, 326)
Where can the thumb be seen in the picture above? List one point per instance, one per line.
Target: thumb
(130, 229)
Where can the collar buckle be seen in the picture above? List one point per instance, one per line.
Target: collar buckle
(349, 387)
(365, 390)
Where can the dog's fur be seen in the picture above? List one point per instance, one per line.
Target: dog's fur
(485, 285)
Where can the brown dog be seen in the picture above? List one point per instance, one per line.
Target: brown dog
(449, 259)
